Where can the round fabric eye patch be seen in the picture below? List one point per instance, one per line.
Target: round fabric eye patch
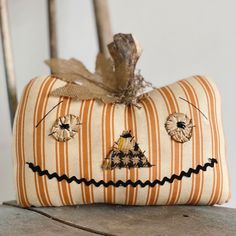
(65, 127)
(179, 127)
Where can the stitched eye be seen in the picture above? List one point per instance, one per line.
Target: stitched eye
(65, 127)
(179, 127)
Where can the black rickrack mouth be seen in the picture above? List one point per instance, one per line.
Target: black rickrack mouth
(37, 169)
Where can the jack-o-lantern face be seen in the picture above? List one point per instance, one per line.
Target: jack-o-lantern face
(168, 151)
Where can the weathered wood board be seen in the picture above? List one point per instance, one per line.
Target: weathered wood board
(120, 220)
(18, 222)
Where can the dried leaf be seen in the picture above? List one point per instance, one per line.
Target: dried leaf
(113, 81)
(108, 99)
(105, 70)
(73, 70)
(71, 66)
(78, 66)
(75, 91)
(93, 85)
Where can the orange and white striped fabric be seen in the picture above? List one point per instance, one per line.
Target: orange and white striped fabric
(102, 124)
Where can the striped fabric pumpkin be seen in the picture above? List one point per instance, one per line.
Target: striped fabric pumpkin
(53, 173)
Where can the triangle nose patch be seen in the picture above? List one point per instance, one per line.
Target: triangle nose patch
(125, 153)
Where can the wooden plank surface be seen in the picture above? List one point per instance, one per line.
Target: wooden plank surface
(16, 221)
(153, 220)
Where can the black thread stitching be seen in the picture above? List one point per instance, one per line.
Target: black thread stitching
(119, 183)
(118, 152)
(194, 106)
(47, 114)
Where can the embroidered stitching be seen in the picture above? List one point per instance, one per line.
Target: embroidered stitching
(65, 127)
(194, 107)
(125, 153)
(36, 126)
(179, 127)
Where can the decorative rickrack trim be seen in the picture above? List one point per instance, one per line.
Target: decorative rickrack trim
(37, 169)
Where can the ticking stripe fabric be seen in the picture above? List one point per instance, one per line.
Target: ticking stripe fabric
(53, 173)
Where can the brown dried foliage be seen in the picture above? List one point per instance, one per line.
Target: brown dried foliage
(114, 81)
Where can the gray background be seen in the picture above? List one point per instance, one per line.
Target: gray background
(179, 38)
